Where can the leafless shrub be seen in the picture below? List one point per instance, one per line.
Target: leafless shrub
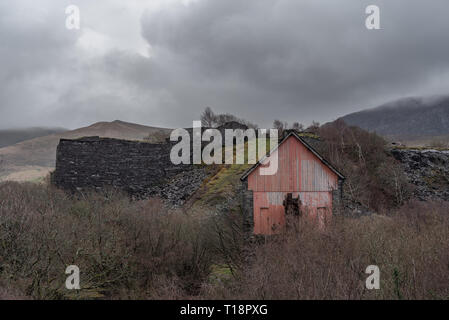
(283, 126)
(142, 250)
(208, 118)
(123, 248)
(297, 126)
(374, 178)
(211, 120)
(411, 249)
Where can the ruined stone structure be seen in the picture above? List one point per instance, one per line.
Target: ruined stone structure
(133, 166)
(140, 168)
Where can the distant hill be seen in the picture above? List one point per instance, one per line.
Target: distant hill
(12, 136)
(34, 158)
(406, 119)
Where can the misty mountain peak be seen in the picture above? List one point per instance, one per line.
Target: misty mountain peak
(406, 118)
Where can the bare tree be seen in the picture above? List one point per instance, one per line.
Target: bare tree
(297, 126)
(208, 118)
(281, 126)
(278, 124)
(212, 120)
(221, 119)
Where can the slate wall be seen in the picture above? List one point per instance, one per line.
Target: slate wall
(133, 166)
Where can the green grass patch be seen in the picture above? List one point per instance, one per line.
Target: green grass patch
(220, 273)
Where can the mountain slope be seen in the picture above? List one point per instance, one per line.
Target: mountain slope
(9, 137)
(407, 119)
(22, 160)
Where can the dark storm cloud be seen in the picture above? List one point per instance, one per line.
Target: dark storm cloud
(303, 59)
(259, 59)
(31, 54)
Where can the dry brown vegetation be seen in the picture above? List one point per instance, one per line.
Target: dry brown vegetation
(123, 249)
(141, 250)
(411, 248)
(374, 178)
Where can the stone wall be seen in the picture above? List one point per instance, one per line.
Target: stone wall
(140, 168)
(132, 166)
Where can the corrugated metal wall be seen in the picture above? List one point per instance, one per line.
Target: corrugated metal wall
(269, 214)
(299, 170)
(301, 173)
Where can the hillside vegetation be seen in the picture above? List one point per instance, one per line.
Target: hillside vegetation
(374, 178)
(141, 250)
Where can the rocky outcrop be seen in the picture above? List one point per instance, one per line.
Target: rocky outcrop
(427, 170)
(178, 189)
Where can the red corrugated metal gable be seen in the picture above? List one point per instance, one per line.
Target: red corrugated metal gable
(293, 134)
(299, 170)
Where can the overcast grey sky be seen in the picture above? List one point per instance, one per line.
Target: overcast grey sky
(161, 62)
